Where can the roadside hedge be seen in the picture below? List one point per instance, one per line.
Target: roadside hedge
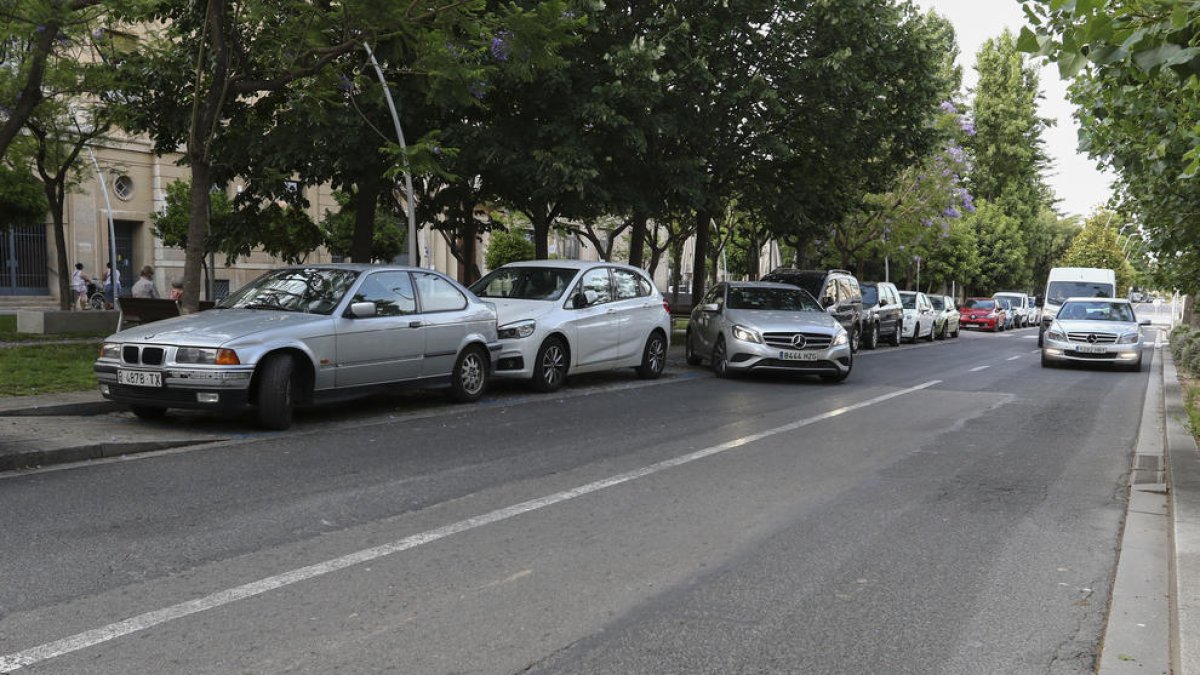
(1185, 348)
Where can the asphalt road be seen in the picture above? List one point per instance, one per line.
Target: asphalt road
(951, 508)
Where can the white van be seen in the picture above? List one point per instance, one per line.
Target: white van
(1074, 282)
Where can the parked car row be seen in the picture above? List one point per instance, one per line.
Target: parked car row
(314, 333)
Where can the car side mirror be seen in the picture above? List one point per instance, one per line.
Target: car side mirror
(584, 299)
(828, 301)
(710, 307)
(360, 310)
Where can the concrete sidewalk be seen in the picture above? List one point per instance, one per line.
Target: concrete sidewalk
(1183, 476)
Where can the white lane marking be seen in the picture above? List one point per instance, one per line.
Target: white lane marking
(1013, 358)
(50, 650)
(1029, 337)
(976, 370)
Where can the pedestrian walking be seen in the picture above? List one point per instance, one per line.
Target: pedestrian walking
(79, 284)
(112, 285)
(144, 287)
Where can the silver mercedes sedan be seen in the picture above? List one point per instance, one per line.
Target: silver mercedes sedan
(1095, 330)
(759, 326)
(303, 335)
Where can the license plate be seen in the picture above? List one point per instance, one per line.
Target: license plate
(798, 356)
(139, 378)
(1091, 349)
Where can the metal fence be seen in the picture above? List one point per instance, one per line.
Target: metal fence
(23, 254)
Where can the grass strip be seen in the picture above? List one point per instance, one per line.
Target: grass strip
(46, 369)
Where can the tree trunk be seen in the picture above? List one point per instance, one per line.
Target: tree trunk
(470, 244)
(197, 238)
(637, 240)
(56, 195)
(676, 263)
(541, 219)
(700, 253)
(366, 198)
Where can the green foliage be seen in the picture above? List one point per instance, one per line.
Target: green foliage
(1096, 246)
(1185, 349)
(338, 228)
(505, 246)
(1138, 96)
(22, 201)
(46, 369)
(1001, 249)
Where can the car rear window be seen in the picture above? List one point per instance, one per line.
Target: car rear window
(870, 295)
(781, 299)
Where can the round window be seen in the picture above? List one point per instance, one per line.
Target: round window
(123, 187)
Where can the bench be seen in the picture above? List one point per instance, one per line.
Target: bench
(137, 311)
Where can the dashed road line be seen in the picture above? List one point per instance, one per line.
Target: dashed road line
(979, 368)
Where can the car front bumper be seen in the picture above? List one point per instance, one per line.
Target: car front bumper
(744, 357)
(226, 388)
(1056, 351)
(977, 322)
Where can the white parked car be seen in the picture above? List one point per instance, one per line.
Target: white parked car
(1094, 330)
(558, 317)
(919, 316)
(1018, 306)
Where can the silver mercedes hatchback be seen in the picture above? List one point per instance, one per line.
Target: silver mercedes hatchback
(740, 327)
(303, 335)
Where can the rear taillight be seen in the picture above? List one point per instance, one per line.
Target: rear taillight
(666, 306)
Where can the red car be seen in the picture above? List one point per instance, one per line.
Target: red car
(983, 313)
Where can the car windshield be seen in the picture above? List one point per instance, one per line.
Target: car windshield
(316, 290)
(938, 303)
(870, 295)
(977, 303)
(1096, 311)
(1059, 291)
(782, 299)
(1006, 303)
(525, 283)
(909, 300)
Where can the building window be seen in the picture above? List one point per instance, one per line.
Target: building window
(123, 187)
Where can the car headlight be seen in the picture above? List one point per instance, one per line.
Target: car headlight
(110, 350)
(1056, 333)
(207, 356)
(516, 331)
(746, 334)
(840, 339)
(1128, 339)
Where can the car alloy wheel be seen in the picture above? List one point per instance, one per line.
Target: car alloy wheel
(550, 366)
(654, 357)
(872, 340)
(719, 363)
(689, 352)
(470, 376)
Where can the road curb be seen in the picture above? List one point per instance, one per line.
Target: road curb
(1183, 472)
(1137, 631)
(39, 458)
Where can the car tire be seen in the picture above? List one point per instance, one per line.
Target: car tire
(872, 340)
(654, 357)
(839, 377)
(1135, 367)
(689, 352)
(469, 379)
(929, 338)
(148, 412)
(941, 335)
(956, 330)
(550, 365)
(1046, 363)
(720, 361)
(276, 393)
(855, 339)
(898, 335)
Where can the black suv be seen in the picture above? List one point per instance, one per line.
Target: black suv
(837, 291)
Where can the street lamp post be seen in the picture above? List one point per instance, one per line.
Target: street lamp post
(112, 229)
(408, 187)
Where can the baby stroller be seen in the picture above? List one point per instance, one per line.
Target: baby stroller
(95, 297)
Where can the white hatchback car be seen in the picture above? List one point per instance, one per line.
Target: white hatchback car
(919, 316)
(558, 317)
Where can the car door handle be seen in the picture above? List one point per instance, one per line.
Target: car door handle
(415, 324)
